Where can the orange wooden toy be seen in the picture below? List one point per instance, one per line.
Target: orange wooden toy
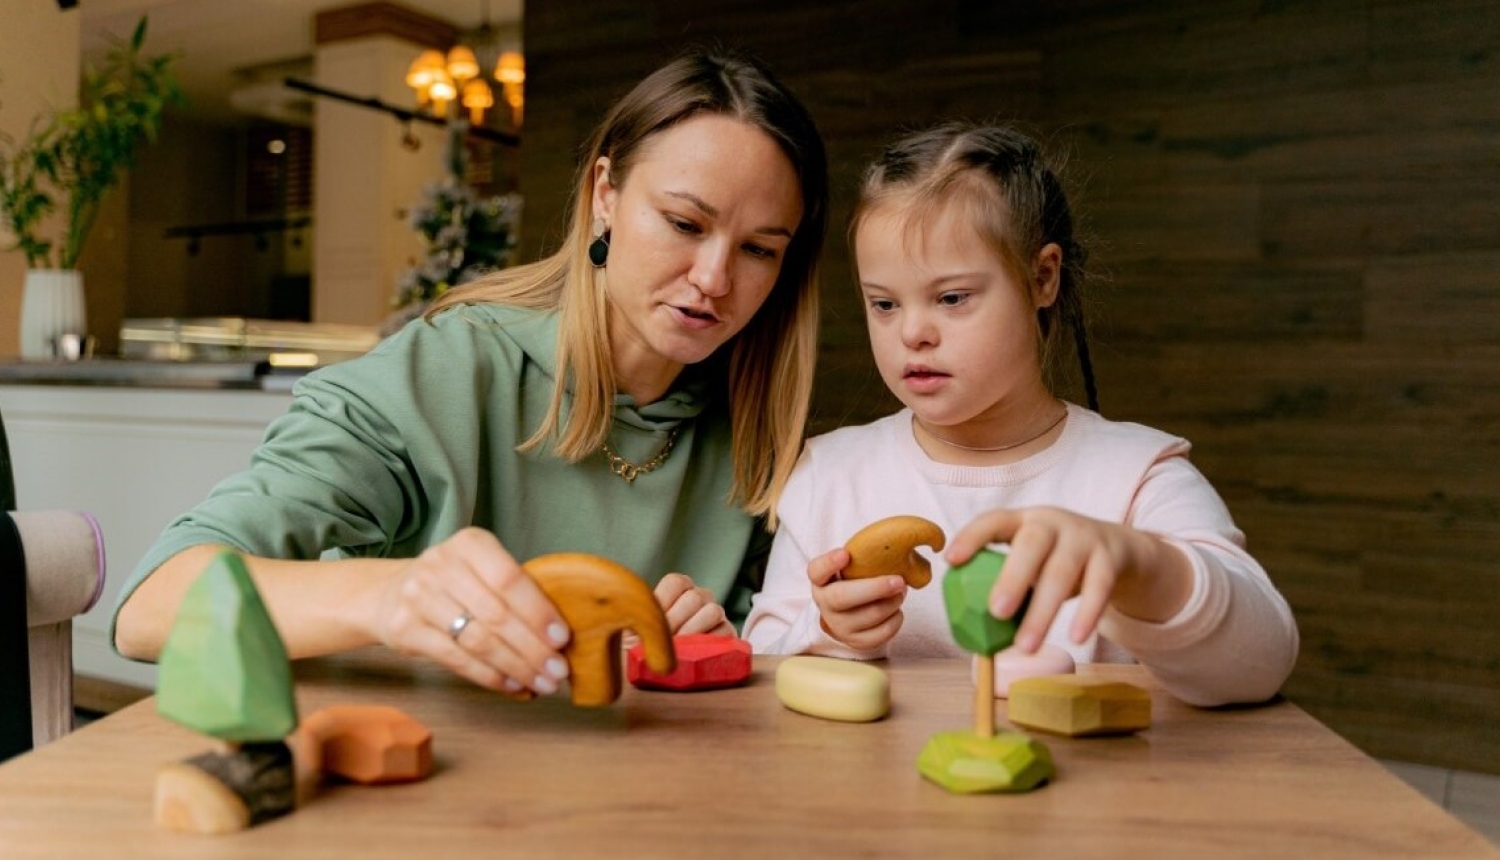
(368, 744)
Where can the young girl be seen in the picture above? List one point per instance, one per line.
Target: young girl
(964, 247)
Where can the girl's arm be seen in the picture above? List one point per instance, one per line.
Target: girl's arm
(1174, 587)
(1235, 638)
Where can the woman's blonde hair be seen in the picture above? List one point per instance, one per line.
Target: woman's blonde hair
(770, 368)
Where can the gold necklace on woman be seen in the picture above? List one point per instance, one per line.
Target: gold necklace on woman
(630, 471)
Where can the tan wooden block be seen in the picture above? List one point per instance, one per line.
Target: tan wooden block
(1077, 705)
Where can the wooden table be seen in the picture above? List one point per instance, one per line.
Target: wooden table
(732, 773)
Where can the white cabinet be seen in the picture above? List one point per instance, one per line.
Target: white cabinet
(135, 458)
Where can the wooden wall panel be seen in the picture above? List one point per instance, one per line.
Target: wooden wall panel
(1441, 300)
(1296, 214)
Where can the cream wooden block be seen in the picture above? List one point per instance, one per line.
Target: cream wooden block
(1079, 705)
(834, 689)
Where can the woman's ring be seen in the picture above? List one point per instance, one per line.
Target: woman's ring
(458, 625)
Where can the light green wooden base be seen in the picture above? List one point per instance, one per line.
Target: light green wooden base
(965, 763)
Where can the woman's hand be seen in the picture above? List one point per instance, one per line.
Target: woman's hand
(1057, 554)
(863, 614)
(511, 639)
(691, 608)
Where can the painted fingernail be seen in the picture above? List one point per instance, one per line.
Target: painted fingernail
(557, 668)
(557, 633)
(544, 685)
(511, 685)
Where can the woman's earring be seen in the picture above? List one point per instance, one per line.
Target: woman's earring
(599, 248)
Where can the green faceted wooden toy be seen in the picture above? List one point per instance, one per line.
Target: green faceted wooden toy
(224, 670)
(966, 595)
(965, 763)
(982, 761)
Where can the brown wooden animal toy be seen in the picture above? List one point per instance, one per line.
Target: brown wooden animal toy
(600, 600)
(890, 546)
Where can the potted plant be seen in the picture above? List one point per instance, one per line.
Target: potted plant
(466, 235)
(76, 155)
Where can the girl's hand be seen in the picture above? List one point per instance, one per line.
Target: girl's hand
(1058, 554)
(690, 608)
(510, 642)
(863, 614)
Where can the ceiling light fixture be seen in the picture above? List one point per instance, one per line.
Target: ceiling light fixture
(468, 75)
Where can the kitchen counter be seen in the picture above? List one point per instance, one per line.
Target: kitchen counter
(207, 352)
(135, 450)
(137, 373)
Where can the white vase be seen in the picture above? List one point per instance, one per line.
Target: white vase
(51, 306)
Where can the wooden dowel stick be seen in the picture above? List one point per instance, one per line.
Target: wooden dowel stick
(984, 697)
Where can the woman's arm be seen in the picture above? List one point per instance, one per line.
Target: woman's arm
(320, 607)
(510, 643)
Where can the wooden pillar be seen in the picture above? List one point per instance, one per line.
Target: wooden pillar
(366, 178)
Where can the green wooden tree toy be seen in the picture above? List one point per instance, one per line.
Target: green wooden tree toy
(982, 761)
(225, 673)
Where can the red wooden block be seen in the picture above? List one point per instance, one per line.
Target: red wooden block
(705, 661)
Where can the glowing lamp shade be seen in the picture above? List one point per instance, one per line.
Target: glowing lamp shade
(462, 64)
(476, 97)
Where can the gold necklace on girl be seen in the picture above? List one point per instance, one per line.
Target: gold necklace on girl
(1028, 440)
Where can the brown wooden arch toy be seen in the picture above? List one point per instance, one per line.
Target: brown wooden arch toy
(600, 600)
(890, 546)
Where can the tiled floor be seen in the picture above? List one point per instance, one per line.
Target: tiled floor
(1473, 798)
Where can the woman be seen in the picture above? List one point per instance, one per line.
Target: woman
(641, 394)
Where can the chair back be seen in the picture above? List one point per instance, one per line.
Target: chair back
(51, 570)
